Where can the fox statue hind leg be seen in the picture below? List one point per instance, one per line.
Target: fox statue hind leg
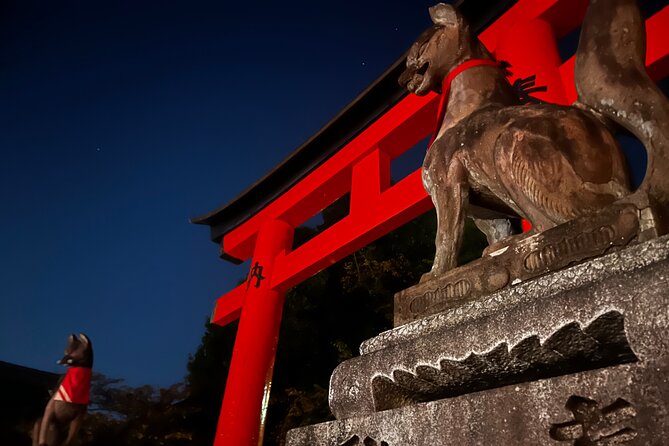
(611, 79)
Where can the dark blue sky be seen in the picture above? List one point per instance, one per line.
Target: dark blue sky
(119, 120)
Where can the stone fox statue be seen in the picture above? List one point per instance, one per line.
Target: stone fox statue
(543, 162)
(67, 407)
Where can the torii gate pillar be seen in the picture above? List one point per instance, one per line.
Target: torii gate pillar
(242, 418)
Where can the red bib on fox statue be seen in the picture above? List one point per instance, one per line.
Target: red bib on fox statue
(76, 386)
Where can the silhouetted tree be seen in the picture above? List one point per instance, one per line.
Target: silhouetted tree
(146, 415)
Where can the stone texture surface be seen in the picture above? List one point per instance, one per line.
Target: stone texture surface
(570, 349)
(526, 257)
(533, 413)
(599, 269)
(615, 308)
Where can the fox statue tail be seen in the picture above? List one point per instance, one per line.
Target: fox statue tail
(610, 77)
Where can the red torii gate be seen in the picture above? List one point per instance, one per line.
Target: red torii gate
(526, 36)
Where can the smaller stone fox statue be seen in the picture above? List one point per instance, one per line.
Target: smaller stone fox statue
(67, 407)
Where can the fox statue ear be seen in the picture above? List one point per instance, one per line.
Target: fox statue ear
(71, 338)
(84, 338)
(444, 15)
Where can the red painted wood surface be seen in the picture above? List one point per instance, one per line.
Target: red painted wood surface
(242, 417)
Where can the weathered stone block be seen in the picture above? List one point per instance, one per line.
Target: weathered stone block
(529, 256)
(575, 357)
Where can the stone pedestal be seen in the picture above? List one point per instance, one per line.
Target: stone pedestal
(580, 356)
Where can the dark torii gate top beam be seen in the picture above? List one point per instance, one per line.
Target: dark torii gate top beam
(352, 155)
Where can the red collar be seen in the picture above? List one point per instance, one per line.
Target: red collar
(446, 88)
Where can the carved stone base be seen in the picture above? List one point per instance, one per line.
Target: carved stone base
(579, 356)
(529, 256)
(622, 405)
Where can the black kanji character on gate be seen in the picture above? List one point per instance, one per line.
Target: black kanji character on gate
(256, 273)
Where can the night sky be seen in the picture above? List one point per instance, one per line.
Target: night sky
(120, 120)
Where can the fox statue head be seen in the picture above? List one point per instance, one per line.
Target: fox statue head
(78, 352)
